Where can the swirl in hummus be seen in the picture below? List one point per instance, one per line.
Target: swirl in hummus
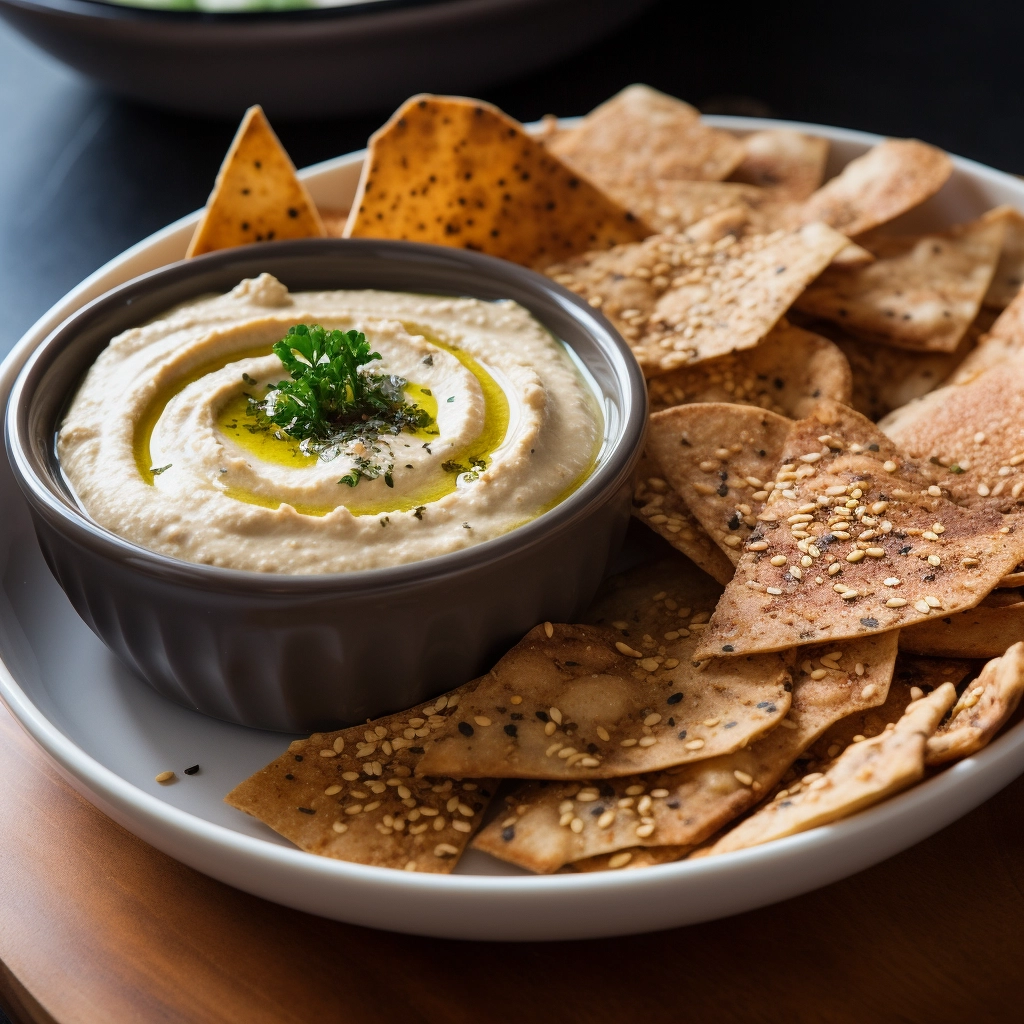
(160, 445)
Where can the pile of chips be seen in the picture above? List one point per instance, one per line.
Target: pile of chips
(835, 460)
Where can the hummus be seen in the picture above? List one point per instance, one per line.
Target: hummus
(162, 447)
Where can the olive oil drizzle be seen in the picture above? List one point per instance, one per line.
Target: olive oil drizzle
(283, 450)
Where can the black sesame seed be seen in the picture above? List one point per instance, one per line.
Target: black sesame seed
(516, 717)
(871, 623)
(675, 698)
(542, 715)
(728, 725)
(307, 810)
(465, 728)
(723, 491)
(508, 833)
(289, 776)
(415, 750)
(728, 648)
(597, 810)
(682, 735)
(510, 730)
(298, 757)
(674, 804)
(192, 770)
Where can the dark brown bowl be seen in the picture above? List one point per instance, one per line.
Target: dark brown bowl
(297, 653)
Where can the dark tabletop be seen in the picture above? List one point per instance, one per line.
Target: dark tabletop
(83, 175)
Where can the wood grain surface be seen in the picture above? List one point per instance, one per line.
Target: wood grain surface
(96, 927)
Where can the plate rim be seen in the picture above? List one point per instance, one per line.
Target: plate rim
(941, 797)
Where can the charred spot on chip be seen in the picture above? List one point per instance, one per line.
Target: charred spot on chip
(543, 716)
(511, 730)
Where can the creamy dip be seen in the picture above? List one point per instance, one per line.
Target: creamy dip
(160, 445)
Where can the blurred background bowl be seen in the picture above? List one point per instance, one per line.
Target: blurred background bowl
(315, 62)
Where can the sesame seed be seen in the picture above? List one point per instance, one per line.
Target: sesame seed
(627, 650)
(933, 602)
(445, 850)
(855, 556)
(576, 825)
(339, 744)
(743, 777)
(482, 720)
(774, 591)
(643, 831)
(652, 719)
(331, 790)
(875, 552)
(694, 744)
(834, 568)
(850, 595)
(566, 752)
(648, 741)
(462, 826)
(350, 776)
(329, 753)
(922, 606)
(934, 560)
(619, 860)
(891, 581)
(819, 673)
(517, 700)
(935, 492)
(627, 743)
(778, 560)
(549, 729)
(164, 777)
(895, 602)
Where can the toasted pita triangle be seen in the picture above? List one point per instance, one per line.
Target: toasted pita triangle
(257, 196)
(921, 293)
(661, 508)
(1003, 342)
(670, 205)
(891, 178)
(913, 676)
(678, 303)
(719, 459)
(787, 373)
(886, 378)
(971, 436)
(459, 172)
(630, 677)
(865, 774)
(642, 134)
(982, 710)
(354, 794)
(787, 163)
(875, 521)
(687, 805)
(982, 632)
(1009, 275)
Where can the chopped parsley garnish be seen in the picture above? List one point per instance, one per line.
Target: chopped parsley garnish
(157, 470)
(333, 407)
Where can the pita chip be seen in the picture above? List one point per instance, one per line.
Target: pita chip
(912, 679)
(355, 794)
(719, 457)
(921, 293)
(982, 710)
(886, 379)
(787, 373)
(641, 133)
(854, 540)
(458, 172)
(971, 438)
(865, 774)
(1009, 273)
(257, 196)
(592, 706)
(1001, 344)
(674, 205)
(891, 178)
(982, 632)
(789, 164)
(682, 807)
(661, 508)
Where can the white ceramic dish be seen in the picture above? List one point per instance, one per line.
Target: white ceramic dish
(109, 734)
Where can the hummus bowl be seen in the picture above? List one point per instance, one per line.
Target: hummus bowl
(311, 650)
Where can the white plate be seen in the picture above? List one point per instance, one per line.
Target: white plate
(110, 734)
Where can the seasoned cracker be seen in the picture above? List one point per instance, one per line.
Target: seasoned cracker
(458, 172)
(787, 373)
(789, 164)
(1009, 273)
(585, 683)
(862, 543)
(1003, 343)
(257, 196)
(970, 437)
(891, 178)
(912, 678)
(865, 774)
(921, 293)
(642, 134)
(982, 710)
(982, 632)
(886, 378)
(355, 794)
(661, 508)
(547, 826)
(719, 459)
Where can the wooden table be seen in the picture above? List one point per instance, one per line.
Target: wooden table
(96, 927)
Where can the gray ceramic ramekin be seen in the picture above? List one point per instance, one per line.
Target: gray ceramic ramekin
(298, 653)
